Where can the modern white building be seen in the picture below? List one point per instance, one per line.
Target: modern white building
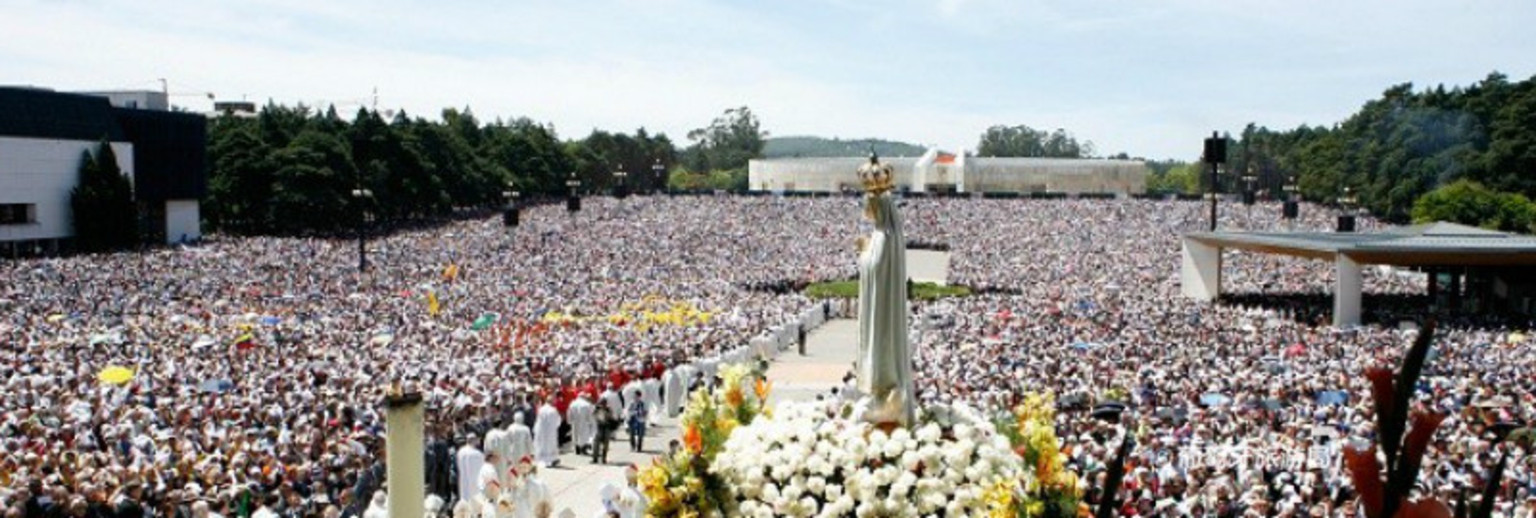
(44, 136)
(955, 172)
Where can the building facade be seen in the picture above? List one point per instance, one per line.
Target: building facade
(956, 172)
(44, 136)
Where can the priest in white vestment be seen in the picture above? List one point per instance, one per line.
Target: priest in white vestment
(672, 387)
(522, 439)
(469, 460)
(546, 435)
(583, 418)
(611, 399)
(652, 391)
(498, 452)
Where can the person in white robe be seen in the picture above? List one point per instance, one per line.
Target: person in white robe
(379, 507)
(631, 392)
(498, 451)
(583, 424)
(521, 438)
(652, 395)
(469, 460)
(672, 388)
(546, 429)
(611, 399)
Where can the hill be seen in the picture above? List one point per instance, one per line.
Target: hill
(784, 147)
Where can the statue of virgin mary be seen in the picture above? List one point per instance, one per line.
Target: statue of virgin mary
(885, 355)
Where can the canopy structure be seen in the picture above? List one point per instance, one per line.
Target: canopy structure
(1432, 247)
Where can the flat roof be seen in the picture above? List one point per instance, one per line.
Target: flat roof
(1430, 244)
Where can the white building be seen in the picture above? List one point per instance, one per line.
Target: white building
(45, 134)
(941, 171)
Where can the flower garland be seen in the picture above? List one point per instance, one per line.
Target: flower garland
(683, 484)
(1051, 491)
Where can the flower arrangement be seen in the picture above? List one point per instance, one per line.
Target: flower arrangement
(806, 460)
(1051, 491)
(683, 484)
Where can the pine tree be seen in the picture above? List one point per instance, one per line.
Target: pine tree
(102, 204)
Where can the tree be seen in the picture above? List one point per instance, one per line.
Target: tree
(105, 217)
(727, 143)
(1471, 203)
(1024, 141)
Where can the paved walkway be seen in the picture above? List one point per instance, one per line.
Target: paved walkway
(830, 353)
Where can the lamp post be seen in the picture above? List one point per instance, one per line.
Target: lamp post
(1292, 208)
(513, 215)
(1347, 203)
(1215, 154)
(573, 201)
(660, 172)
(362, 196)
(623, 190)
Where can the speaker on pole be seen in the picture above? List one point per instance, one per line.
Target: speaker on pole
(1292, 210)
(1346, 223)
(573, 204)
(511, 217)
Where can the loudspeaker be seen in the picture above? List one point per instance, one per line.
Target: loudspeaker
(1215, 150)
(1292, 210)
(1346, 223)
(511, 217)
(573, 204)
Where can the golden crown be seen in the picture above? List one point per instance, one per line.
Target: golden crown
(877, 177)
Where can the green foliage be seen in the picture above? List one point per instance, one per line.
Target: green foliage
(292, 169)
(850, 290)
(1174, 177)
(104, 214)
(727, 143)
(1024, 141)
(780, 147)
(1399, 147)
(1470, 203)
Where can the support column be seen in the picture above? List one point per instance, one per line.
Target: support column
(1434, 288)
(1201, 271)
(1347, 285)
(405, 442)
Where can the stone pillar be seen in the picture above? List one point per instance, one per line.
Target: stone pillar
(1201, 272)
(1346, 292)
(405, 442)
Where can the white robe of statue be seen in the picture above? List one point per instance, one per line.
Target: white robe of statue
(885, 355)
(469, 460)
(672, 385)
(583, 418)
(521, 438)
(546, 436)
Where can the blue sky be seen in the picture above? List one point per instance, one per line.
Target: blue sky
(1147, 77)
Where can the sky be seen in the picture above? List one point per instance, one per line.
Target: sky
(1149, 78)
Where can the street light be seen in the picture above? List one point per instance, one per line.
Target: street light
(1292, 206)
(623, 189)
(660, 171)
(1347, 203)
(362, 196)
(573, 201)
(1215, 154)
(513, 213)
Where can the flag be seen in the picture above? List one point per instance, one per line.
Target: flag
(485, 320)
(245, 342)
(432, 305)
(451, 273)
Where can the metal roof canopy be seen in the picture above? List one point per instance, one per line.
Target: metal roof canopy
(1437, 244)
(1429, 244)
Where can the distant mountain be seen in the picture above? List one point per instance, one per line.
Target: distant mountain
(789, 147)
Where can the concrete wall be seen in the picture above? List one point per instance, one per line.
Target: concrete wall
(975, 174)
(42, 172)
(182, 221)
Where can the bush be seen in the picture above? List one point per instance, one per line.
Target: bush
(1471, 203)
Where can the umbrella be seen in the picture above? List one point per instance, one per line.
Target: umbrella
(115, 375)
(271, 321)
(203, 341)
(1071, 401)
(486, 320)
(383, 339)
(1332, 397)
(1296, 350)
(1272, 404)
(1109, 413)
(216, 385)
(1176, 414)
(55, 318)
(1214, 399)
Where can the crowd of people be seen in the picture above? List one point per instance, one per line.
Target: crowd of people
(257, 365)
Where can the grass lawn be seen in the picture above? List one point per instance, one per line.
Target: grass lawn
(850, 290)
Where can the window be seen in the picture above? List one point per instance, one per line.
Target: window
(17, 213)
